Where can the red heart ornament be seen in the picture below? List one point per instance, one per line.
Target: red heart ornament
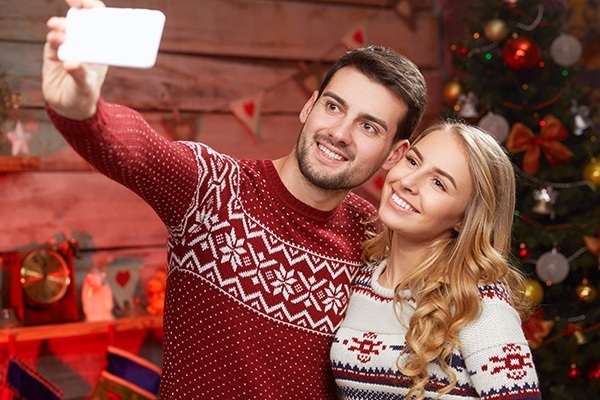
(358, 37)
(379, 182)
(122, 278)
(249, 108)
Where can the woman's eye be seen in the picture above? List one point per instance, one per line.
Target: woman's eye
(411, 160)
(439, 184)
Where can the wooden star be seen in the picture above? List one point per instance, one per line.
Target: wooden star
(19, 140)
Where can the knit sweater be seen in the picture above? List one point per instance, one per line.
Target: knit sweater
(257, 281)
(493, 362)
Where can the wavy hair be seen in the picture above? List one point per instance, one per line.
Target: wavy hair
(445, 287)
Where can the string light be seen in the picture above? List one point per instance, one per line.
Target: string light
(535, 22)
(539, 106)
(559, 185)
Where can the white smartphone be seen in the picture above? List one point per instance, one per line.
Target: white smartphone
(124, 37)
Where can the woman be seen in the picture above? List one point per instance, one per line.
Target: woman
(436, 309)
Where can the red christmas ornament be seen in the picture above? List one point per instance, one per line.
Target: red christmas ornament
(594, 372)
(574, 372)
(523, 251)
(521, 53)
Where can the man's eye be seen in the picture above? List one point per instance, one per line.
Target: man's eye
(332, 107)
(370, 128)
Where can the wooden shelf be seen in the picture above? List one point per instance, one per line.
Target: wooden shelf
(19, 164)
(65, 330)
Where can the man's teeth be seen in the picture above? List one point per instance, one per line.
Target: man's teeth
(330, 153)
(402, 203)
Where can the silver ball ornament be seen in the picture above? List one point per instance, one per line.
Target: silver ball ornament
(565, 50)
(496, 125)
(552, 267)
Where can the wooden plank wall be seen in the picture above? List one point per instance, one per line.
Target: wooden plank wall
(212, 53)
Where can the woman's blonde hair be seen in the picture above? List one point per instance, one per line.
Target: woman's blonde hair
(445, 286)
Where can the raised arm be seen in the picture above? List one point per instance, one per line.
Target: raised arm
(116, 140)
(70, 88)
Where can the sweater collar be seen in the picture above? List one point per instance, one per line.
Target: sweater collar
(280, 191)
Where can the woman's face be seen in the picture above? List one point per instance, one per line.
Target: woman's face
(426, 193)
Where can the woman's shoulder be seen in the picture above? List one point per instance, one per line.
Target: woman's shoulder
(365, 274)
(493, 292)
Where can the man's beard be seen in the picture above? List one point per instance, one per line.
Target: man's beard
(346, 179)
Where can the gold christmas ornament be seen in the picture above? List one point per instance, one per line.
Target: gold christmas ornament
(585, 292)
(534, 291)
(495, 30)
(591, 172)
(580, 338)
(452, 90)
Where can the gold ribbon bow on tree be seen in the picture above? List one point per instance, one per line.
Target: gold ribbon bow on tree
(521, 138)
(593, 245)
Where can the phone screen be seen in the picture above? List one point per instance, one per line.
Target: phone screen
(125, 37)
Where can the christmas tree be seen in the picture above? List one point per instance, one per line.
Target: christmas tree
(514, 76)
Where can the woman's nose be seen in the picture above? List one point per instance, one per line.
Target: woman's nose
(410, 181)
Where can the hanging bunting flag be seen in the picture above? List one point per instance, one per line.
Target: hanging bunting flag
(19, 139)
(133, 368)
(404, 8)
(309, 76)
(22, 382)
(127, 376)
(355, 38)
(181, 127)
(248, 110)
(111, 387)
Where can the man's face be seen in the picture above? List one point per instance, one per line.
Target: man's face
(347, 134)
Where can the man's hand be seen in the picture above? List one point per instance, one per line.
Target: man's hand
(71, 88)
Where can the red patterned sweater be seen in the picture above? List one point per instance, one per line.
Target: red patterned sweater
(494, 361)
(257, 281)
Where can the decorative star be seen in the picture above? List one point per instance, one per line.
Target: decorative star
(19, 139)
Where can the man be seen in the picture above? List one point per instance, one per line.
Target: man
(261, 252)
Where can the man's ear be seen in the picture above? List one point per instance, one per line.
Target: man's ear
(308, 106)
(396, 154)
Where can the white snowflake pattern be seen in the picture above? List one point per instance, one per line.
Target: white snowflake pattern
(233, 250)
(334, 297)
(284, 282)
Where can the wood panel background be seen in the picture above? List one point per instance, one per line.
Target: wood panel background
(212, 52)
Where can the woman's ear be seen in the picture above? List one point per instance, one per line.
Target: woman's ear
(396, 154)
(456, 228)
